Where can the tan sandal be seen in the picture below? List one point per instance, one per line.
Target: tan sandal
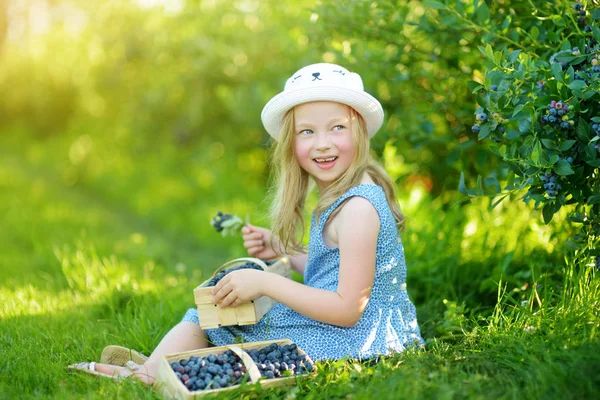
(119, 355)
(90, 368)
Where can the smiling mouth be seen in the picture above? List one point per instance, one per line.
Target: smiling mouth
(324, 160)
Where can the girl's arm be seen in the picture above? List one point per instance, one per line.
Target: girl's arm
(298, 262)
(357, 228)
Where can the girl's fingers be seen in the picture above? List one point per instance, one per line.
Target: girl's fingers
(254, 243)
(220, 284)
(229, 299)
(253, 251)
(253, 236)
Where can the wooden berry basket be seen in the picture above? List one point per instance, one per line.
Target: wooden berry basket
(170, 387)
(211, 316)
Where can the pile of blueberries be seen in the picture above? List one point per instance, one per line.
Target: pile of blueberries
(212, 372)
(276, 360)
(226, 369)
(557, 115)
(552, 188)
(215, 279)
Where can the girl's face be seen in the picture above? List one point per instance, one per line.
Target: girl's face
(323, 142)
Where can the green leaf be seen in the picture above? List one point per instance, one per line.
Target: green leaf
(518, 109)
(461, 186)
(567, 144)
(549, 144)
(525, 125)
(577, 85)
(548, 212)
(583, 130)
(434, 4)
(489, 52)
(513, 56)
(477, 88)
(483, 13)
(535, 154)
(484, 132)
(557, 72)
(479, 186)
(492, 182)
(593, 199)
(558, 20)
(534, 32)
(563, 168)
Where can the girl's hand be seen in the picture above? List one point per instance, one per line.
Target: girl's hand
(239, 287)
(257, 242)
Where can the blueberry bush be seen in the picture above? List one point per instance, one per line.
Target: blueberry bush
(539, 113)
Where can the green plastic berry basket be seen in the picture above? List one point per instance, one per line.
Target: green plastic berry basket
(211, 316)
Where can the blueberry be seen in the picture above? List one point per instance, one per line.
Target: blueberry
(552, 119)
(570, 160)
(553, 111)
(565, 125)
(481, 117)
(475, 128)
(501, 129)
(552, 178)
(269, 374)
(493, 88)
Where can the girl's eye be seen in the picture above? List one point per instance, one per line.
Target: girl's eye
(305, 131)
(338, 127)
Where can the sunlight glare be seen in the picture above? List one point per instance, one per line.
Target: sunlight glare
(170, 7)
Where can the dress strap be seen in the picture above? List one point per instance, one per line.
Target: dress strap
(368, 191)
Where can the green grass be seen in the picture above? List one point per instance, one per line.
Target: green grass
(108, 250)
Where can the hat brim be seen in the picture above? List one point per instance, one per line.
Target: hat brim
(365, 104)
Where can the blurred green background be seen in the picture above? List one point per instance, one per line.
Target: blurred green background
(125, 125)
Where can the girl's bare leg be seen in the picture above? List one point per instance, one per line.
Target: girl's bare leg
(184, 336)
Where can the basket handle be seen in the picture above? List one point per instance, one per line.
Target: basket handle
(248, 362)
(237, 260)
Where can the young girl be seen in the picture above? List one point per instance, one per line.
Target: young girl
(353, 302)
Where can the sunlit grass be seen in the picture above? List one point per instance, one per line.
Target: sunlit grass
(84, 266)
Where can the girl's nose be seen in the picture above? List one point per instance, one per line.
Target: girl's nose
(323, 142)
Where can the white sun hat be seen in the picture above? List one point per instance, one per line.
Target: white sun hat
(322, 82)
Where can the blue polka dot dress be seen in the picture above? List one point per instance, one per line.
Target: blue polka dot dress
(389, 322)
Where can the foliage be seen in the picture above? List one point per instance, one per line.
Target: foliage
(420, 73)
(539, 108)
(198, 75)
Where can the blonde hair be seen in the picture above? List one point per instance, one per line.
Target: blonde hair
(290, 185)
